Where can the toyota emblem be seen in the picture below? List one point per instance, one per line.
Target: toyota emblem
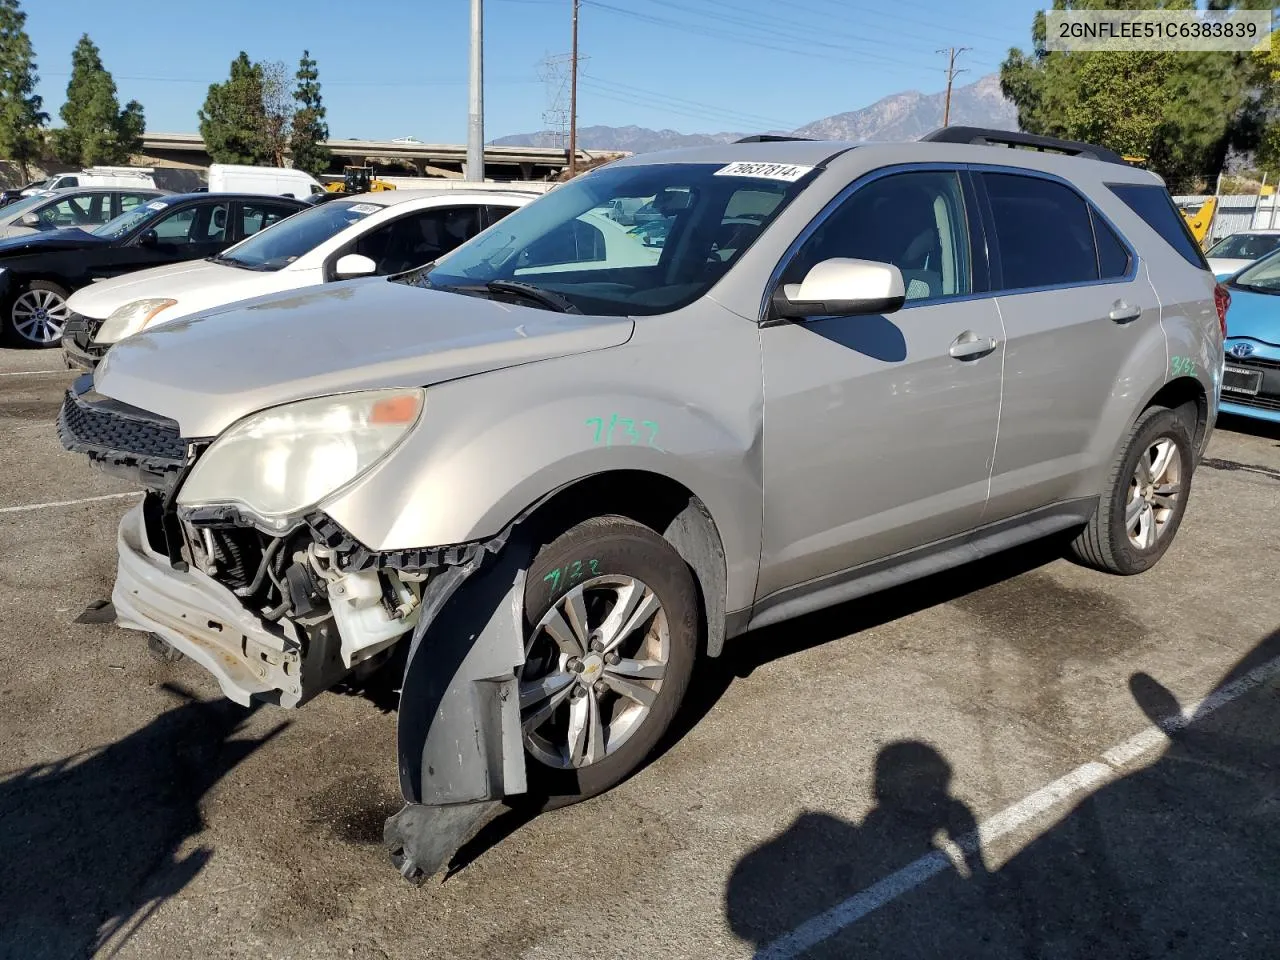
(1241, 350)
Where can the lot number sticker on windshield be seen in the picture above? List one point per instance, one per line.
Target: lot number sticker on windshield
(790, 172)
(364, 208)
(156, 205)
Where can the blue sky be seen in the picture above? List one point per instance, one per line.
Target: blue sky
(689, 65)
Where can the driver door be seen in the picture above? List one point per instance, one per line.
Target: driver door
(877, 438)
(190, 232)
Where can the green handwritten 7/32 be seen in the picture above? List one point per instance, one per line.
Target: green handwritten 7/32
(623, 431)
(571, 573)
(1182, 366)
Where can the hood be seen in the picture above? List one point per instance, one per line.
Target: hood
(209, 370)
(48, 241)
(1255, 316)
(1225, 266)
(171, 281)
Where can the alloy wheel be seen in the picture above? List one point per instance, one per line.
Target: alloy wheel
(39, 316)
(1154, 489)
(593, 667)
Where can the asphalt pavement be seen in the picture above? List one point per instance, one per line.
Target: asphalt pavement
(1021, 758)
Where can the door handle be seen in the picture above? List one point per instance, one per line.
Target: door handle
(1121, 312)
(970, 346)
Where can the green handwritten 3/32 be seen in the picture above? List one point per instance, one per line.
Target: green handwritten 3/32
(622, 431)
(1182, 366)
(571, 573)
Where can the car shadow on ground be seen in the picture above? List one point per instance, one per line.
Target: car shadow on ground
(1178, 859)
(90, 845)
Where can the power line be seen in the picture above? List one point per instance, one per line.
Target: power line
(762, 42)
(742, 115)
(707, 115)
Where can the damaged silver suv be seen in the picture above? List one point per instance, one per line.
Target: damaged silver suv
(553, 469)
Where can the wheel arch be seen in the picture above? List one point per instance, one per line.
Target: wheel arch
(662, 504)
(1186, 396)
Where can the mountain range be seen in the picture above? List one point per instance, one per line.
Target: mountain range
(899, 116)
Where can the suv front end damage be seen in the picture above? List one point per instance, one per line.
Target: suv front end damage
(280, 615)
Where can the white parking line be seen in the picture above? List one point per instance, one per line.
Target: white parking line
(1088, 777)
(67, 503)
(33, 373)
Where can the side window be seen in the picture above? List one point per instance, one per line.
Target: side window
(212, 223)
(1153, 204)
(87, 211)
(419, 238)
(1043, 232)
(497, 213)
(916, 221)
(259, 216)
(175, 228)
(130, 200)
(1113, 258)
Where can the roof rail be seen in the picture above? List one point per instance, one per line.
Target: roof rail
(981, 136)
(770, 138)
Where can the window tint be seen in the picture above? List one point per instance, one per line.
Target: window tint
(1113, 258)
(1154, 205)
(916, 221)
(259, 216)
(1043, 233)
(419, 238)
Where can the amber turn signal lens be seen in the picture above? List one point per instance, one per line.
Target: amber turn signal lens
(395, 410)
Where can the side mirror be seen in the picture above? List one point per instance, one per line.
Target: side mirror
(149, 238)
(30, 220)
(354, 265)
(842, 288)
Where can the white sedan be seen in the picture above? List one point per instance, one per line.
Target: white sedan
(1240, 249)
(376, 233)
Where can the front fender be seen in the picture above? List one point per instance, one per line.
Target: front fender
(490, 446)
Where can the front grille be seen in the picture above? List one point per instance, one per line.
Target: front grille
(116, 434)
(1268, 395)
(1260, 401)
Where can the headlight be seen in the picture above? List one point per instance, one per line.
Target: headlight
(127, 320)
(279, 462)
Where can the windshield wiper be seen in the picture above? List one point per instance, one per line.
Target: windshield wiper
(545, 298)
(230, 261)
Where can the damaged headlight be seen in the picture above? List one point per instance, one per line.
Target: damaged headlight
(278, 462)
(127, 320)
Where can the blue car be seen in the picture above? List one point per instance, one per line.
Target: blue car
(1251, 378)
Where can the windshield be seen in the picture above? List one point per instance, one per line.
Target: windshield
(627, 240)
(117, 228)
(14, 211)
(1245, 246)
(1262, 277)
(281, 244)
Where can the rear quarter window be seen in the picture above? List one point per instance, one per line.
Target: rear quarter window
(1043, 232)
(1154, 205)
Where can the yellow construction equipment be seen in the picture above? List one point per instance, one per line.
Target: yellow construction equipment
(1201, 219)
(359, 180)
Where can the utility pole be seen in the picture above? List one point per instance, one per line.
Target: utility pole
(952, 72)
(475, 118)
(573, 97)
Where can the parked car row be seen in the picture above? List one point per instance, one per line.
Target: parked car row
(551, 467)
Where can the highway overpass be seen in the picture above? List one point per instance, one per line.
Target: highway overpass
(501, 163)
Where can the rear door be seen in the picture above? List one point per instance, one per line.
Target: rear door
(1076, 305)
(879, 430)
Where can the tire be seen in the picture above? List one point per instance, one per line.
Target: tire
(1106, 542)
(594, 562)
(36, 315)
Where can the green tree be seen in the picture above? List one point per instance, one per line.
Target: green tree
(21, 119)
(1180, 110)
(309, 127)
(233, 120)
(97, 130)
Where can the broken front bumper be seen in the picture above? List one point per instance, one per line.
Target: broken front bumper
(207, 622)
(78, 349)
